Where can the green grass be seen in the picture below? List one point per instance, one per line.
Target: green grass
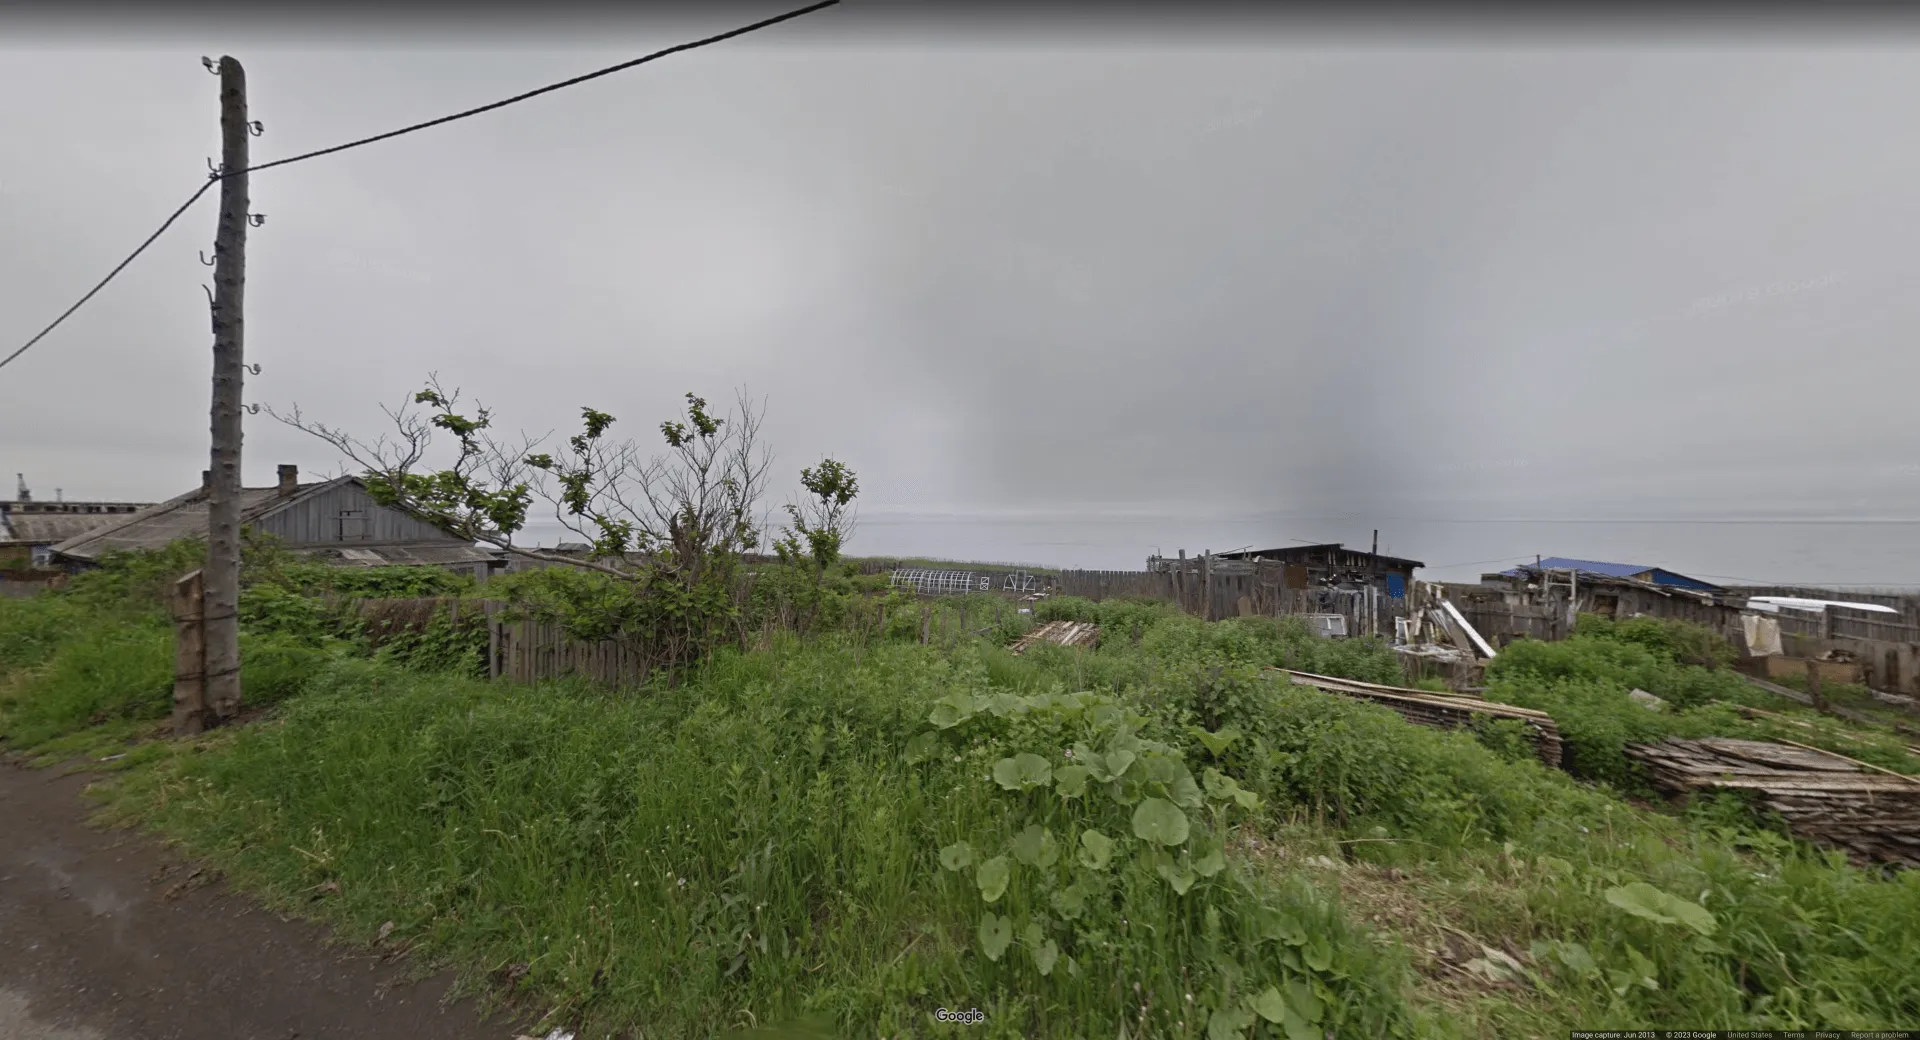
(862, 830)
(751, 847)
(125, 674)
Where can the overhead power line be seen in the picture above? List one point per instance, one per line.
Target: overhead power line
(516, 99)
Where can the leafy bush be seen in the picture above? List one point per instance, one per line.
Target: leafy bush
(1609, 655)
(1361, 765)
(379, 582)
(803, 595)
(1672, 639)
(275, 609)
(1106, 835)
(136, 582)
(1185, 643)
(1597, 721)
(442, 644)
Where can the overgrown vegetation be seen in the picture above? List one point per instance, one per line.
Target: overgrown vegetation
(1583, 681)
(894, 815)
(668, 531)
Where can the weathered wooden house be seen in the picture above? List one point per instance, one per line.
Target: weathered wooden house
(333, 521)
(1332, 565)
(29, 529)
(1366, 588)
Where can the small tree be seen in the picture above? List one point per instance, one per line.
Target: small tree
(818, 528)
(669, 527)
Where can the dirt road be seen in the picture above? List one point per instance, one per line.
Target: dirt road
(103, 936)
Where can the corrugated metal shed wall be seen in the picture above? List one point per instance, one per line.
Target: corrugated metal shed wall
(319, 520)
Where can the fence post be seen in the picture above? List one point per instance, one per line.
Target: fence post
(190, 655)
(1180, 584)
(1813, 680)
(493, 641)
(1206, 586)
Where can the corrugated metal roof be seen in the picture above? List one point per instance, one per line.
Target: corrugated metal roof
(1658, 575)
(1295, 551)
(157, 527)
(404, 555)
(50, 528)
(1611, 570)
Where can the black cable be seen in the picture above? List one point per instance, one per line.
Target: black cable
(610, 70)
(184, 206)
(517, 98)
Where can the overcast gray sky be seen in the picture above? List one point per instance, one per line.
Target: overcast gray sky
(1242, 272)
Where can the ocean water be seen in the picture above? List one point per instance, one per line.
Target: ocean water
(1823, 553)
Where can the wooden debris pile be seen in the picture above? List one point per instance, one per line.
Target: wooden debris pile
(1059, 633)
(1873, 815)
(1441, 710)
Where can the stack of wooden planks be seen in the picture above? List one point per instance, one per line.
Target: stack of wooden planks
(1873, 815)
(1441, 710)
(1060, 633)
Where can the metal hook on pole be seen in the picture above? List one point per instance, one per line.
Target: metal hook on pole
(256, 128)
(256, 219)
(253, 369)
(203, 257)
(212, 170)
(212, 66)
(209, 292)
(252, 409)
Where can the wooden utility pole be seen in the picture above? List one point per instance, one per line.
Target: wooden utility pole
(222, 573)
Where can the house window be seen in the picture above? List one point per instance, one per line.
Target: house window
(353, 525)
(1606, 606)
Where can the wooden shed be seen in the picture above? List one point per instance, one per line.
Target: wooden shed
(1333, 565)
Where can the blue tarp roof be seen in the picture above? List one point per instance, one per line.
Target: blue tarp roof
(1661, 576)
(1611, 570)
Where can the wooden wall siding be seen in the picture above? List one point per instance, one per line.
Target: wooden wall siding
(316, 521)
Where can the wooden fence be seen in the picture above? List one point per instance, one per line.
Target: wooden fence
(1237, 589)
(1098, 585)
(532, 651)
(1838, 623)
